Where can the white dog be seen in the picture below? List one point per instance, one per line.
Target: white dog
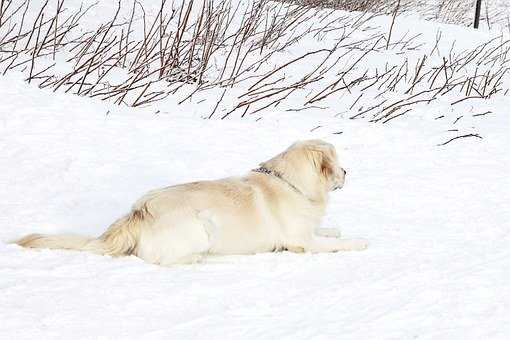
(278, 206)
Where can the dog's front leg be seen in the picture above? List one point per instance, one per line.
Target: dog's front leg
(320, 244)
(328, 232)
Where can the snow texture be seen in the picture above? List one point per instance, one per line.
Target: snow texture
(437, 219)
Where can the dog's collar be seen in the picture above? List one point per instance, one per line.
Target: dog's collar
(278, 175)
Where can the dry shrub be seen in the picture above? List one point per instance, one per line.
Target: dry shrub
(378, 6)
(251, 56)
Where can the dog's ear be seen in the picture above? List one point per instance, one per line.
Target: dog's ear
(323, 161)
(326, 165)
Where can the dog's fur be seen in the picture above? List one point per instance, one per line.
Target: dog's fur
(275, 209)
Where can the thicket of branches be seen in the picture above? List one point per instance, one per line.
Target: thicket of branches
(459, 12)
(376, 6)
(222, 47)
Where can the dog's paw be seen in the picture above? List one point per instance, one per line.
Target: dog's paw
(328, 232)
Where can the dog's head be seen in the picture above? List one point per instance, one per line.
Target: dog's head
(311, 165)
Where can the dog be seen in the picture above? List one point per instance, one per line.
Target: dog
(275, 207)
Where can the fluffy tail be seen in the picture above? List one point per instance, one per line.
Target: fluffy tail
(120, 239)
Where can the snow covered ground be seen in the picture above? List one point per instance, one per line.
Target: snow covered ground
(436, 217)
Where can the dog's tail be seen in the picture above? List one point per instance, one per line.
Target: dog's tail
(121, 238)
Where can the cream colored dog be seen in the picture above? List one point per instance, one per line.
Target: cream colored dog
(275, 207)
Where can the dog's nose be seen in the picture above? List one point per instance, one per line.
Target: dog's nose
(345, 172)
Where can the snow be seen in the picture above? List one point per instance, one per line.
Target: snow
(436, 218)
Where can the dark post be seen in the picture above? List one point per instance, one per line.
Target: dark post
(477, 12)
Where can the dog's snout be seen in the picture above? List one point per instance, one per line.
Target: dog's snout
(345, 172)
